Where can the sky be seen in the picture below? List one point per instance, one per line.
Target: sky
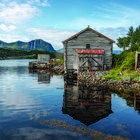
(56, 20)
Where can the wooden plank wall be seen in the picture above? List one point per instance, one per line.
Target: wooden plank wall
(43, 58)
(95, 41)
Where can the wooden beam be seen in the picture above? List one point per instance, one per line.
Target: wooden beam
(136, 60)
(84, 67)
(102, 62)
(83, 62)
(96, 62)
(78, 64)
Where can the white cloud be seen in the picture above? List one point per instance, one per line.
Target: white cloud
(114, 33)
(39, 2)
(7, 28)
(13, 37)
(15, 13)
(108, 15)
(2, 5)
(116, 15)
(30, 133)
(55, 37)
(43, 3)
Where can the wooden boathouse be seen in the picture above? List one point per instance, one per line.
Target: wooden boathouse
(87, 50)
(43, 58)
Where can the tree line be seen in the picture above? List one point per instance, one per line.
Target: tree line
(132, 40)
(5, 53)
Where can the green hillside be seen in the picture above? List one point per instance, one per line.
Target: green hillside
(10, 53)
(37, 44)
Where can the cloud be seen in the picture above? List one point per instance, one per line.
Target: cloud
(53, 36)
(30, 133)
(113, 32)
(39, 2)
(15, 13)
(43, 3)
(7, 28)
(118, 15)
(2, 5)
(13, 37)
(107, 15)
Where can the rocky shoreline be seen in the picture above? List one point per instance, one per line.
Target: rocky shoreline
(96, 79)
(57, 68)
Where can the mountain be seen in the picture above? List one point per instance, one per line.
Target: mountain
(37, 44)
(60, 50)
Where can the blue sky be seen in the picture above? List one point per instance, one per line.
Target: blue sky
(56, 20)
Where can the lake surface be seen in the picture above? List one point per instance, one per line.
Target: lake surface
(42, 106)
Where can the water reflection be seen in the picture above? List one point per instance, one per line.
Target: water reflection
(30, 133)
(88, 104)
(43, 77)
(16, 70)
(137, 102)
(132, 99)
(31, 106)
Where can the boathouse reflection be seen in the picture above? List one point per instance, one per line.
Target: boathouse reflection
(88, 104)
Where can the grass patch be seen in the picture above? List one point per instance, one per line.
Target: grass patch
(111, 82)
(117, 74)
(58, 61)
(124, 65)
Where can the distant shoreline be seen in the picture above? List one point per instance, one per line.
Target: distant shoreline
(14, 58)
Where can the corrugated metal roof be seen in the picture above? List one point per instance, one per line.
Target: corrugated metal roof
(89, 51)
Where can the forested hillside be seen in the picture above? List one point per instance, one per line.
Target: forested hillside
(8, 53)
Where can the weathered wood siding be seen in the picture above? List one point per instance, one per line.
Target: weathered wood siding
(96, 42)
(43, 58)
(76, 61)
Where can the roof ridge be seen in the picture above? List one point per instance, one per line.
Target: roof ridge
(88, 28)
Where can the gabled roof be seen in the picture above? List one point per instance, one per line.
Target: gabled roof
(88, 28)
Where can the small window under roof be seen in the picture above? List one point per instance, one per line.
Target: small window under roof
(87, 46)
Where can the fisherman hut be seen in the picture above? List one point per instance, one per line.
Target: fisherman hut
(43, 58)
(88, 50)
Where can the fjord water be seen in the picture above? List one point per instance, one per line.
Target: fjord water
(40, 106)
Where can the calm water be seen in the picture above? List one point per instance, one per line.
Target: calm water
(41, 106)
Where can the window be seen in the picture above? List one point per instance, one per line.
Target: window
(87, 46)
